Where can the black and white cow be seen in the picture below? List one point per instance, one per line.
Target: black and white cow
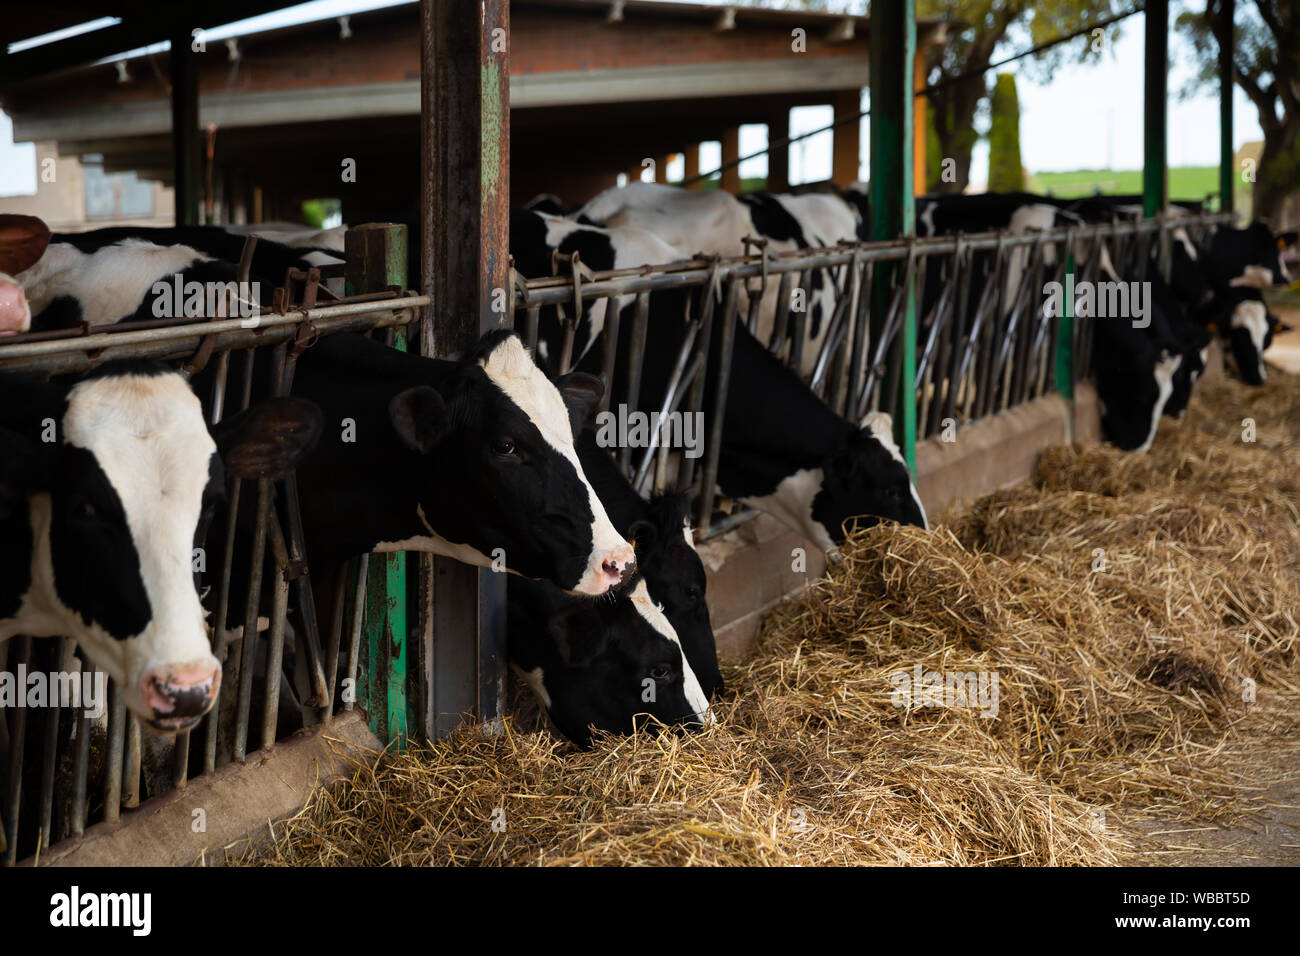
(714, 222)
(105, 488)
(660, 531)
(615, 664)
(109, 275)
(472, 459)
(783, 450)
(1240, 265)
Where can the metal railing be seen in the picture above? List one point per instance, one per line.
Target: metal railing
(984, 341)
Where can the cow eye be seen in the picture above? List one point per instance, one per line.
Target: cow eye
(662, 673)
(693, 594)
(504, 447)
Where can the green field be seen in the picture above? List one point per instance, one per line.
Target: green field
(1185, 182)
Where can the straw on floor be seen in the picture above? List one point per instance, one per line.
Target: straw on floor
(1137, 612)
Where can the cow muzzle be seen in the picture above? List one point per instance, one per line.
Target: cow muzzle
(607, 570)
(15, 315)
(175, 698)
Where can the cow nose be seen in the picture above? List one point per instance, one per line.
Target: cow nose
(178, 696)
(14, 313)
(615, 570)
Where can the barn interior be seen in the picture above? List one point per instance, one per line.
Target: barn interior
(596, 88)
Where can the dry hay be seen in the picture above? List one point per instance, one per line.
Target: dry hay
(1119, 689)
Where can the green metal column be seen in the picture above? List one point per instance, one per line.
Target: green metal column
(1155, 180)
(893, 205)
(1227, 174)
(376, 259)
(1064, 369)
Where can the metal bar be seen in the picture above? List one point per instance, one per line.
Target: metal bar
(113, 760)
(275, 641)
(20, 659)
(1224, 14)
(358, 619)
(248, 643)
(81, 762)
(635, 364)
(1155, 174)
(721, 385)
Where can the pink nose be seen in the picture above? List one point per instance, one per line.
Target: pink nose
(14, 313)
(614, 570)
(178, 696)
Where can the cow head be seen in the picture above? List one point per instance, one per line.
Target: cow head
(116, 510)
(498, 475)
(1250, 257)
(615, 665)
(1250, 332)
(866, 478)
(675, 578)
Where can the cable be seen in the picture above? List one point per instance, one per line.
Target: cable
(924, 91)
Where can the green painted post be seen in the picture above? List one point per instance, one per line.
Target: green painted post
(893, 203)
(1155, 180)
(1065, 337)
(376, 259)
(1227, 174)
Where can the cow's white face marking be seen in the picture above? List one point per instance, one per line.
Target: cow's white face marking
(110, 282)
(688, 535)
(881, 426)
(512, 370)
(792, 503)
(927, 219)
(148, 436)
(1253, 317)
(1254, 277)
(1164, 373)
(1038, 216)
(1180, 234)
(654, 616)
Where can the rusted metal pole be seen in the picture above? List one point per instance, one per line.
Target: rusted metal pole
(465, 251)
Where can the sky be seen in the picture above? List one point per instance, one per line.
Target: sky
(1084, 117)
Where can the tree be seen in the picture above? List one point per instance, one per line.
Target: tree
(979, 29)
(1005, 172)
(1266, 65)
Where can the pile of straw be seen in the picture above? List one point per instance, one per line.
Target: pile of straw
(1128, 605)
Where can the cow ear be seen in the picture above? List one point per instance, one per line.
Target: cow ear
(880, 424)
(582, 393)
(22, 242)
(578, 635)
(643, 535)
(268, 439)
(420, 417)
